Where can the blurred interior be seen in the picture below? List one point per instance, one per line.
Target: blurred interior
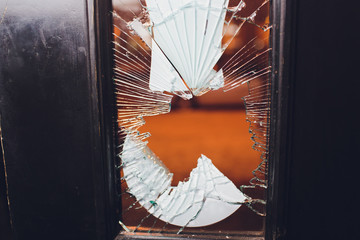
(217, 129)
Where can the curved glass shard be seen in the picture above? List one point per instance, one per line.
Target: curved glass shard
(205, 198)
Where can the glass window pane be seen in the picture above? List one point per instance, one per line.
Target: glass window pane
(194, 74)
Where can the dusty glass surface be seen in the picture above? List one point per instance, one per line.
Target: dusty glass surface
(166, 49)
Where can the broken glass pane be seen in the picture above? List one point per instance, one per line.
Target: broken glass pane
(186, 48)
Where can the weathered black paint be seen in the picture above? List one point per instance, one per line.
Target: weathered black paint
(5, 227)
(58, 152)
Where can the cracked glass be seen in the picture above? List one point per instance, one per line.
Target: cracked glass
(194, 74)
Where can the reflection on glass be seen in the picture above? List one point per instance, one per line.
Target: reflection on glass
(167, 49)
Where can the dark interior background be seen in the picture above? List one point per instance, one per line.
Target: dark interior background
(323, 196)
(316, 140)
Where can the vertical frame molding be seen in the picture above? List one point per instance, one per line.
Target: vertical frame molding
(283, 15)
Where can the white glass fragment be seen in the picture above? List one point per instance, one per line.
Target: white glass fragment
(189, 33)
(205, 198)
(163, 76)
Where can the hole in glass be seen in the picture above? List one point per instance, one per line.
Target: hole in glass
(169, 49)
(215, 125)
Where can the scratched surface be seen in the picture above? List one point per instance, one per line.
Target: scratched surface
(50, 126)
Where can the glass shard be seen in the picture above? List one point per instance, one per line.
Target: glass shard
(191, 203)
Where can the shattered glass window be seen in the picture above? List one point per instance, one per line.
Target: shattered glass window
(171, 53)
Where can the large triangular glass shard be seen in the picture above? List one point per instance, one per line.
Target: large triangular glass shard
(163, 76)
(189, 33)
(193, 35)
